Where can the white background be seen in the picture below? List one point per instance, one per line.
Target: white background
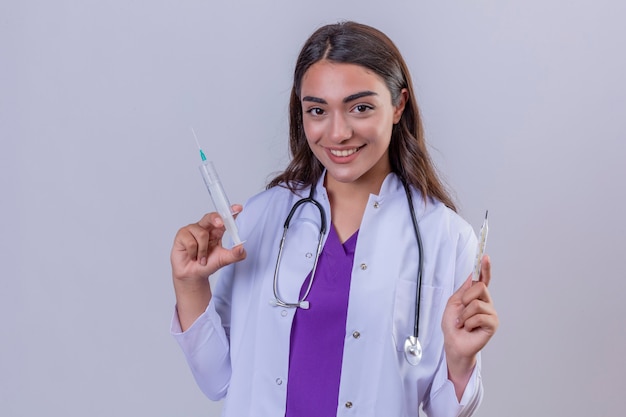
(525, 109)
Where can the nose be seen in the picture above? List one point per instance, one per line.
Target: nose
(340, 128)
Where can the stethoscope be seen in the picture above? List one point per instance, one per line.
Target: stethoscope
(412, 345)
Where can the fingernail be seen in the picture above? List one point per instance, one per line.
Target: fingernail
(203, 261)
(458, 322)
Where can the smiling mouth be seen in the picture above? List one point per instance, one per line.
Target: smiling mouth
(345, 152)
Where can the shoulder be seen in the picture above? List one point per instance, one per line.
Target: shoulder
(267, 203)
(450, 242)
(446, 224)
(274, 196)
(433, 217)
(448, 217)
(265, 213)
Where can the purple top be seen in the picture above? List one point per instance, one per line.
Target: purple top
(318, 334)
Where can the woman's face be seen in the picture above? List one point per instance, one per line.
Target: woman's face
(348, 117)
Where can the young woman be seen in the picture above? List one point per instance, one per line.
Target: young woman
(324, 322)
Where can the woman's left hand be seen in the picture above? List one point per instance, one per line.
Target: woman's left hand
(469, 321)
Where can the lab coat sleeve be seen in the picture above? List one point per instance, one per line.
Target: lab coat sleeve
(206, 344)
(206, 349)
(442, 401)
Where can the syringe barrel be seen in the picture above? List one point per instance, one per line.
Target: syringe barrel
(220, 200)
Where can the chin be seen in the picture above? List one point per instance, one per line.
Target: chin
(344, 177)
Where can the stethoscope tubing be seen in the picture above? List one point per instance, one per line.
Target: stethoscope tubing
(278, 301)
(420, 265)
(302, 302)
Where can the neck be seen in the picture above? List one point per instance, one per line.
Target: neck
(348, 202)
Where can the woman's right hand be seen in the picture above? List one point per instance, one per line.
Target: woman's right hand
(198, 252)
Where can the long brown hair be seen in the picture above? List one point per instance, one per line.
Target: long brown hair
(355, 43)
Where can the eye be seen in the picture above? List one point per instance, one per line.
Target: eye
(315, 111)
(362, 108)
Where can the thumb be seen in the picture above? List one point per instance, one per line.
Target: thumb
(229, 256)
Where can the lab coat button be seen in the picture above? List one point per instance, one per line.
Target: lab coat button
(376, 205)
(356, 335)
(283, 313)
(363, 266)
(309, 255)
(349, 404)
(279, 381)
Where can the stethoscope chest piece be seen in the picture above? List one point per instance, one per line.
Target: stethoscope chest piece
(413, 350)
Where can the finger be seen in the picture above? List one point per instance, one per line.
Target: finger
(202, 237)
(215, 220)
(211, 220)
(486, 322)
(196, 240)
(478, 291)
(185, 241)
(235, 209)
(220, 257)
(476, 307)
(485, 270)
(225, 257)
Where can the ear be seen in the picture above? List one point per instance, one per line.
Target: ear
(399, 108)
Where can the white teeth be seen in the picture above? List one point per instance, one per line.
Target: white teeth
(344, 152)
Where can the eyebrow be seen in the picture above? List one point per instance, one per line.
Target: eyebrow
(348, 99)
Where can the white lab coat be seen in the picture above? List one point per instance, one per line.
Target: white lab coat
(239, 348)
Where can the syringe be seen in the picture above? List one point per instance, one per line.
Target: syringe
(482, 242)
(216, 191)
